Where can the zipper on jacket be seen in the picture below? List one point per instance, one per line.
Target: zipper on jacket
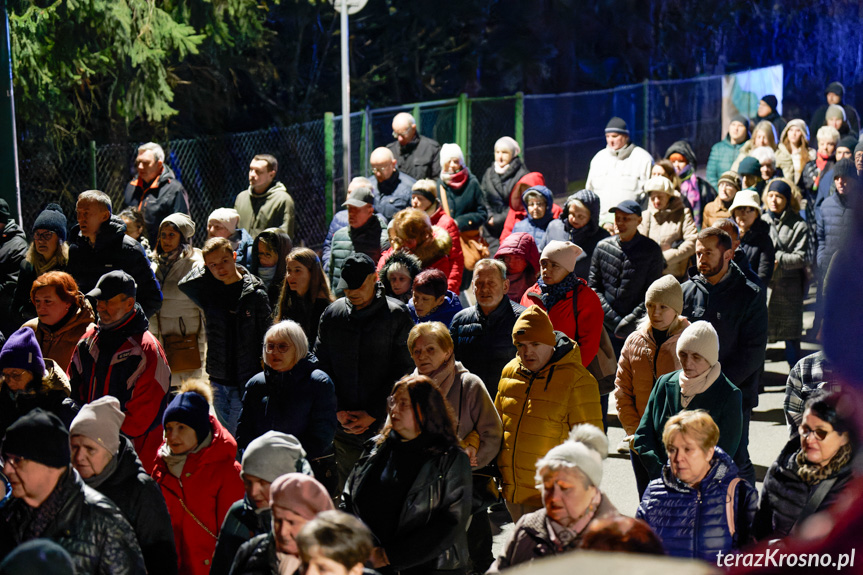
(696, 526)
(517, 427)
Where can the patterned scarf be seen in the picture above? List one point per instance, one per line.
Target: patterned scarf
(551, 294)
(811, 473)
(45, 515)
(565, 538)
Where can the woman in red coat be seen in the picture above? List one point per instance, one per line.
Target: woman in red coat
(199, 475)
(411, 231)
(572, 306)
(424, 197)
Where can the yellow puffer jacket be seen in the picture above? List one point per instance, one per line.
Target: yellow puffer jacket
(538, 411)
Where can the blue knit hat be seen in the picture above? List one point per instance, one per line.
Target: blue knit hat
(22, 351)
(52, 219)
(190, 409)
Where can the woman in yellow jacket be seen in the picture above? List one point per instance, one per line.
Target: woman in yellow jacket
(543, 392)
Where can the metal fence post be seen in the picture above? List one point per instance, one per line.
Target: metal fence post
(93, 184)
(10, 188)
(519, 119)
(329, 165)
(461, 124)
(415, 112)
(646, 120)
(365, 143)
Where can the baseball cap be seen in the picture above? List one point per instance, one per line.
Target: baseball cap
(627, 207)
(359, 198)
(113, 284)
(355, 270)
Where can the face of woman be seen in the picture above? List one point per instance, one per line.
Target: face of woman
(46, 243)
(564, 495)
(727, 192)
(552, 272)
(452, 166)
(679, 165)
(661, 316)
(298, 277)
(424, 304)
(89, 458)
(514, 264)
(267, 256)
(692, 363)
(826, 147)
(133, 230)
(776, 202)
(16, 379)
(280, 354)
(402, 415)
(180, 437)
(502, 156)
(689, 462)
(759, 139)
(50, 309)
(795, 136)
(659, 200)
(657, 170)
(169, 238)
(399, 283)
(819, 451)
(835, 123)
(767, 170)
(745, 217)
(536, 207)
(428, 354)
(578, 216)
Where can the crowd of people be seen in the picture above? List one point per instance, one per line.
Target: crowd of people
(449, 356)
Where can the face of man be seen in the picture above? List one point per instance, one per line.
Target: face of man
(842, 153)
(764, 109)
(112, 310)
(383, 169)
(363, 295)
(737, 132)
(489, 289)
(91, 216)
(223, 265)
(31, 482)
(616, 141)
(148, 166)
(357, 217)
(627, 224)
(833, 98)
(533, 354)
(404, 131)
(712, 259)
(260, 177)
(841, 184)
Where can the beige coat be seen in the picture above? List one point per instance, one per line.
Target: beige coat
(674, 230)
(715, 211)
(639, 367)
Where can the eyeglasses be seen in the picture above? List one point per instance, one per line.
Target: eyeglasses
(12, 375)
(44, 236)
(394, 405)
(280, 347)
(401, 134)
(820, 434)
(379, 170)
(13, 460)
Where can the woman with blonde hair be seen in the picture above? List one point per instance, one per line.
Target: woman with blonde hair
(305, 292)
(411, 231)
(48, 252)
(794, 141)
(764, 134)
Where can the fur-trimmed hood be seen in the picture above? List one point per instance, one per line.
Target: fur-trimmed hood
(437, 247)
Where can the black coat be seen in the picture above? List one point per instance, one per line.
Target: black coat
(837, 221)
(141, 501)
(167, 196)
(738, 312)
(257, 557)
(365, 351)
(114, 250)
(13, 249)
(87, 525)
(760, 250)
(496, 189)
(483, 343)
(586, 238)
(419, 159)
(301, 402)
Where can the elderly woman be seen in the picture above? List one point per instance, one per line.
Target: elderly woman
(106, 461)
(461, 195)
(699, 507)
(291, 395)
(754, 233)
(413, 489)
(499, 180)
(812, 469)
(699, 385)
(729, 185)
(670, 224)
(62, 316)
(825, 158)
(794, 141)
(305, 291)
(767, 163)
(579, 224)
(568, 477)
(431, 300)
(790, 237)
(411, 231)
(48, 252)
(179, 316)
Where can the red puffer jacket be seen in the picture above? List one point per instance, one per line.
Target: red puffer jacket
(443, 221)
(586, 328)
(517, 212)
(208, 485)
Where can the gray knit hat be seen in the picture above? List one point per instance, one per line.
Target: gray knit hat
(274, 454)
(701, 338)
(182, 222)
(585, 448)
(100, 421)
(666, 290)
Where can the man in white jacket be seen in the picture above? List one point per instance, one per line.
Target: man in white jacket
(619, 171)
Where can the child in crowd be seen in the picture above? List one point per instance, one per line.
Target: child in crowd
(398, 273)
(223, 223)
(334, 543)
(579, 224)
(268, 261)
(538, 201)
(136, 229)
(431, 300)
(521, 256)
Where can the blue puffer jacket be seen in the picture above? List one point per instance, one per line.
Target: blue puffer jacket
(444, 313)
(693, 522)
(837, 219)
(536, 228)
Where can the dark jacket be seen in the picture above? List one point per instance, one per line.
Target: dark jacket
(693, 522)
(466, 205)
(87, 525)
(774, 118)
(242, 523)
(365, 351)
(537, 227)
(340, 220)
(735, 308)
(784, 494)
(392, 195)
(235, 330)
(301, 402)
(444, 313)
(371, 239)
(759, 249)
(496, 189)
(620, 273)
(483, 343)
(50, 394)
(419, 159)
(256, 557)
(308, 316)
(13, 250)
(163, 197)
(141, 502)
(432, 526)
(819, 118)
(114, 250)
(585, 237)
(837, 221)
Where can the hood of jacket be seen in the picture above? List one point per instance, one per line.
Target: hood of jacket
(797, 123)
(565, 352)
(530, 180)
(55, 379)
(683, 148)
(12, 231)
(591, 202)
(520, 244)
(274, 188)
(409, 261)
(111, 232)
(435, 248)
(720, 466)
(549, 202)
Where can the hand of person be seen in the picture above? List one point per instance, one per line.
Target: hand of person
(491, 221)
(359, 424)
(379, 557)
(345, 417)
(471, 453)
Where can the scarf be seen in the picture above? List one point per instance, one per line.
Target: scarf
(500, 170)
(455, 181)
(174, 462)
(107, 472)
(444, 375)
(46, 514)
(690, 387)
(267, 275)
(821, 162)
(167, 259)
(811, 473)
(551, 294)
(288, 564)
(41, 265)
(565, 538)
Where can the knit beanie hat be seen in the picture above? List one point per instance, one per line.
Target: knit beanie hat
(273, 454)
(616, 126)
(701, 338)
(844, 168)
(41, 556)
(590, 201)
(848, 142)
(858, 147)
(585, 448)
(183, 223)
(533, 325)
(228, 217)
(22, 351)
(301, 494)
(749, 166)
(771, 101)
(667, 291)
(742, 119)
(835, 88)
(190, 409)
(449, 151)
(563, 254)
(41, 437)
(508, 143)
(730, 178)
(100, 421)
(781, 187)
(834, 111)
(52, 219)
(659, 184)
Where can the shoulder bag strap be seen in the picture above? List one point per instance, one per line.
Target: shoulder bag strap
(729, 504)
(815, 500)
(198, 521)
(444, 201)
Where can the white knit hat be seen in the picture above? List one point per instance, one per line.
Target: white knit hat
(100, 421)
(659, 184)
(701, 338)
(229, 217)
(585, 448)
(563, 254)
(449, 151)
